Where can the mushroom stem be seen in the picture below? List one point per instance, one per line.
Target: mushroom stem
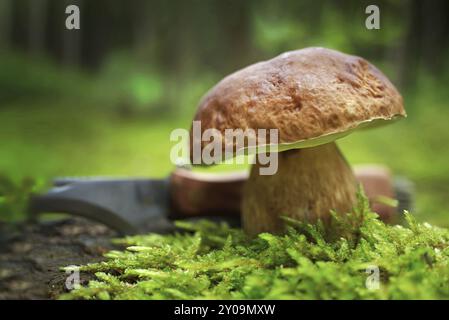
(308, 184)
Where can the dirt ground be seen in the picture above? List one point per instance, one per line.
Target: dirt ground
(31, 255)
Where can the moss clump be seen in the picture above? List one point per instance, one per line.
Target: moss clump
(217, 262)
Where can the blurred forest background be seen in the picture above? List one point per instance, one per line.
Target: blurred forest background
(103, 100)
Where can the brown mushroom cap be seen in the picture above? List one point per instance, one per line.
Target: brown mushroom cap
(313, 96)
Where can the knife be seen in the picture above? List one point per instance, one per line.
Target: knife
(139, 205)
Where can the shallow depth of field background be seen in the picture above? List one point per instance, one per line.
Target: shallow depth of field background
(103, 100)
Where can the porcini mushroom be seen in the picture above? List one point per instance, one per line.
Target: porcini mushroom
(312, 96)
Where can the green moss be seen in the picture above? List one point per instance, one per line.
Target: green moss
(308, 262)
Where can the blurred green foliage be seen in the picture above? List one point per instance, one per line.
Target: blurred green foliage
(14, 197)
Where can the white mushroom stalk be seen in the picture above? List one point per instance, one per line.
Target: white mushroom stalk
(308, 184)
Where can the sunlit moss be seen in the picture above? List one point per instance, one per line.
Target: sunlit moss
(308, 262)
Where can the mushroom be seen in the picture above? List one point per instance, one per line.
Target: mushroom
(313, 96)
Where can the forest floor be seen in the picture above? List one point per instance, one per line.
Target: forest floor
(31, 255)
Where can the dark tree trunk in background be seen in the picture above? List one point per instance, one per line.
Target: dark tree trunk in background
(55, 28)
(235, 19)
(37, 21)
(426, 38)
(435, 33)
(411, 61)
(19, 21)
(96, 30)
(142, 26)
(5, 24)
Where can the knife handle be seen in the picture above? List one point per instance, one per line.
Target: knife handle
(196, 194)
